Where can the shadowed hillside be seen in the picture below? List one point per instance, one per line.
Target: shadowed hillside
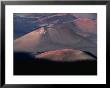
(26, 64)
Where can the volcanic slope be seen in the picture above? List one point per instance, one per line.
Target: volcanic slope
(65, 55)
(60, 36)
(29, 41)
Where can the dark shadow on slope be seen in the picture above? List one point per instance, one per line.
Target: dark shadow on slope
(26, 64)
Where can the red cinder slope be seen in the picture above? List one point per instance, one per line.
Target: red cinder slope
(64, 55)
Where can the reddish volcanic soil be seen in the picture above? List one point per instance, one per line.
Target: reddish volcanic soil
(86, 25)
(64, 55)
